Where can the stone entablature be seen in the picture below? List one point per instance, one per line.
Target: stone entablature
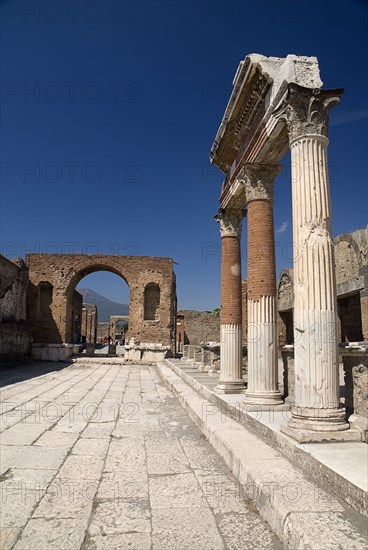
(251, 131)
(57, 275)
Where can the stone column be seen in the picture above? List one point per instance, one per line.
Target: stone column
(231, 380)
(261, 286)
(315, 305)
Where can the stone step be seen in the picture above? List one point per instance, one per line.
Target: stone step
(301, 512)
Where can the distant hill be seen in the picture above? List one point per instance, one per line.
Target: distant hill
(105, 306)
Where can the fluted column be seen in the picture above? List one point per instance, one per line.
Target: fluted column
(261, 280)
(231, 360)
(315, 306)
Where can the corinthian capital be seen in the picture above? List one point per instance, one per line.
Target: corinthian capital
(230, 221)
(306, 111)
(258, 180)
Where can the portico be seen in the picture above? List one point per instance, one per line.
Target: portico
(277, 104)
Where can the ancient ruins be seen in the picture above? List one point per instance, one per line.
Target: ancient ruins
(277, 104)
(288, 357)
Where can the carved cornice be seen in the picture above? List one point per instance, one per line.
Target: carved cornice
(306, 110)
(244, 109)
(230, 221)
(258, 180)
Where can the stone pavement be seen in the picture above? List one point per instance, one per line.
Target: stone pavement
(304, 513)
(101, 456)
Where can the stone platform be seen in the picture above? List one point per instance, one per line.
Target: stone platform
(313, 495)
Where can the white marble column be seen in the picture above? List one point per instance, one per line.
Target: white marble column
(317, 401)
(262, 389)
(231, 356)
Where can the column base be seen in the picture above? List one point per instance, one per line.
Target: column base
(310, 436)
(263, 399)
(309, 424)
(232, 386)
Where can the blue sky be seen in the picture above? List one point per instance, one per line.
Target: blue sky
(109, 110)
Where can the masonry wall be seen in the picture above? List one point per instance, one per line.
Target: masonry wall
(351, 269)
(15, 338)
(64, 271)
(199, 326)
(89, 324)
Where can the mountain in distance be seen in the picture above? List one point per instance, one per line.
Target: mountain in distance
(105, 306)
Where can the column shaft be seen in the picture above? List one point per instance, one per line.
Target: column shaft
(262, 326)
(231, 356)
(315, 305)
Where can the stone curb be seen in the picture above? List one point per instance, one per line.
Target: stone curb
(352, 494)
(302, 514)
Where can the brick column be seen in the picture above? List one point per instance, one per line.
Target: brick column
(231, 380)
(261, 280)
(317, 400)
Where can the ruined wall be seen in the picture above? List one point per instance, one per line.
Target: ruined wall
(102, 331)
(351, 259)
(89, 324)
(351, 268)
(77, 304)
(63, 272)
(15, 338)
(200, 326)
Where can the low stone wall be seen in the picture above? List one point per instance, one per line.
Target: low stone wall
(355, 363)
(206, 357)
(15, 342)
(53, 352)
(146, 353)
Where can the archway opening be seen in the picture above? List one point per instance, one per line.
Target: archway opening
(96, 296)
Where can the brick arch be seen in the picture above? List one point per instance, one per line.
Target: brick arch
(93, 265)
(64, 271)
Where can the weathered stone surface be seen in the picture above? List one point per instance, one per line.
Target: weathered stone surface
(15, 337)
(56, 534)
(185, 529)
(146, 486)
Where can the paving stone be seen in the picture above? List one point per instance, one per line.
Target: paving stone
(54, 438)
(120, 516)
(38, 458)
(246, 532)
(56, 534)
(8, 536)
(99, 430)
(185, 529)
(92, 447)
(67, 498)
(20, 492)
(125, 485)
(222, 492)
(147, 481)
(82, 467)
(128, 541)
(165, 456)
(199, 457)
(177, 491)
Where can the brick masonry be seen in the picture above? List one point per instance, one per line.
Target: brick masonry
(63, 272)
(231, 310)
(198, 326)
(261, 250)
